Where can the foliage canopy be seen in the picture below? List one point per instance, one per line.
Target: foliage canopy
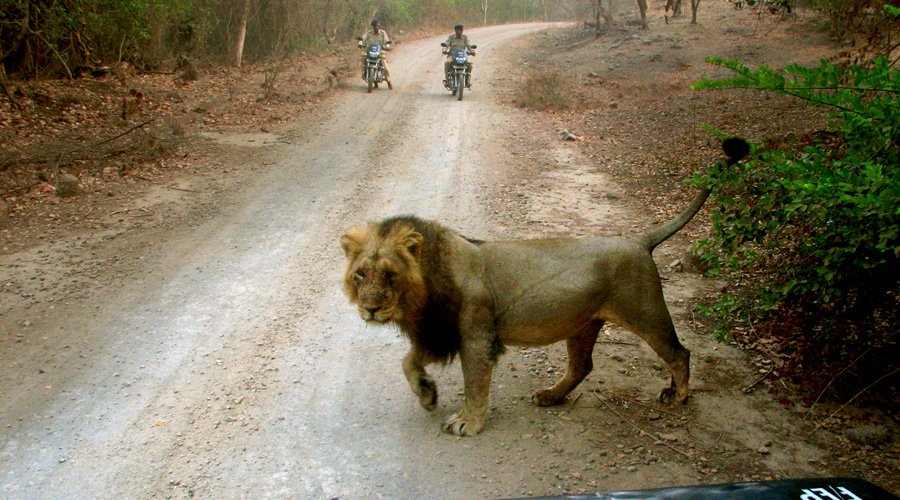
(64, 37)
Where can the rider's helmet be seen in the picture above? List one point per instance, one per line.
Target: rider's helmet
(375, 22)
(458, 27)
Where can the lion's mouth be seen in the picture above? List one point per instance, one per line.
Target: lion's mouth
(376, 316)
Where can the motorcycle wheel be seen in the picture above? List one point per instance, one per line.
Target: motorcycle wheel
(460, 85)
(369, 85)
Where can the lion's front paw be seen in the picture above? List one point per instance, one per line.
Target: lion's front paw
(427, 393)
(547, 397)
(460, 425)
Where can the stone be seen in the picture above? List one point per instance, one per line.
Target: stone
(871, 435)
(67, 185)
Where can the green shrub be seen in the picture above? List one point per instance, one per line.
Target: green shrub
(814, 234)
(836, 203)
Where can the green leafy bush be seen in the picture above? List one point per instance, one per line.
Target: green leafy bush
(814, 234)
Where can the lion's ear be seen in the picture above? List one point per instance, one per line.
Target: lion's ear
(412, 241)
(352, 242)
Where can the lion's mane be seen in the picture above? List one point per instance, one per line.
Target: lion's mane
(429, 317)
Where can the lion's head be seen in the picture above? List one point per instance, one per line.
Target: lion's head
(383, 276)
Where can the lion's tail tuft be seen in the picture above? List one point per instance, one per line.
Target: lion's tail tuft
(736, 149)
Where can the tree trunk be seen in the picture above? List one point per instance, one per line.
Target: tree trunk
(695, 6)
(242, 33)
(5, 90)
(326, 15)
(484, 7)
(642, 5)
(601, 12)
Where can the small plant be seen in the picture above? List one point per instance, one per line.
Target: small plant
(545, 89)
(728, 309)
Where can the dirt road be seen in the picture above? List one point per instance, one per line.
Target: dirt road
(219, 358)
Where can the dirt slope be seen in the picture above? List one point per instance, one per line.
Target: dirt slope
(196, 343)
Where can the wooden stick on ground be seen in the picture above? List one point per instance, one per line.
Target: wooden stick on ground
(760, 379)
(858, 394)
(642, 431)
(20, 189)
(650, 407)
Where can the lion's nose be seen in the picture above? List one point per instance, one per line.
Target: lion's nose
(372, 311)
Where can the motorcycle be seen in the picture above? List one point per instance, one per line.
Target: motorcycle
(455, 79)
(375, 66)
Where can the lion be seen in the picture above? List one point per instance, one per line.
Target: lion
(456, 296)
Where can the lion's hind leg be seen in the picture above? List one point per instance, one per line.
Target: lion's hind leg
(580, 348)
(649, 318)
(663, 340)
(419, 380)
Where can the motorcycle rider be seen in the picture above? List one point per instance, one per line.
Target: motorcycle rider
(379, 36)
(458, 41)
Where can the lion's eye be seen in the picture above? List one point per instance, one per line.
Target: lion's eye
(359, 275)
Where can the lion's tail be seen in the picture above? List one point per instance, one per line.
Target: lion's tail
(736, 149)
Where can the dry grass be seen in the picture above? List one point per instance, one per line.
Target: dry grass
(545, 89)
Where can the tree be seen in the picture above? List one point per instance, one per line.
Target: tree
(242, 33)
(675, 7)
(605, 12)
(642, 5)
(600, 11)
(545, 7)
(484, 8)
